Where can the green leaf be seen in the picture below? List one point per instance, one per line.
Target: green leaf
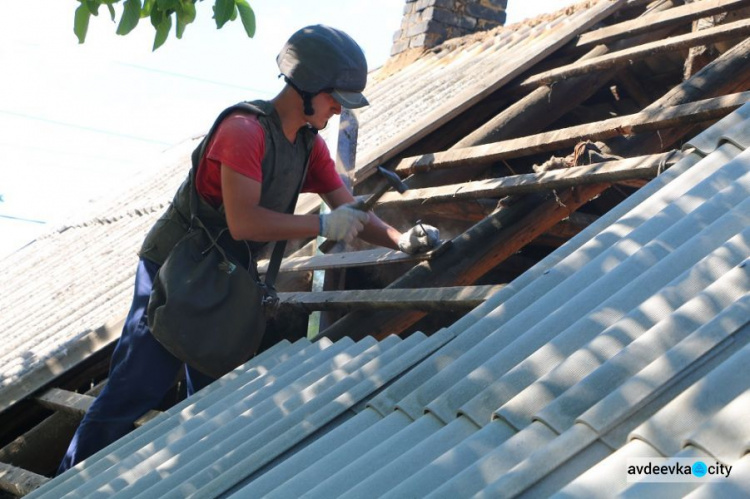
(111, 11)
(234, 13)
(162, 31)
(247, 15)
(157, 17)
(147, 8)
(180, 29)
(81, 22)
(93, 6)
(166, 5)
(186, 12)
(130, 15)
(223, 11)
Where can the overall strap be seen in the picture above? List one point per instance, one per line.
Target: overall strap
(201, 149)
(278, 249)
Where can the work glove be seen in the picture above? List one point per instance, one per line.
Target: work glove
(418, 239)
(343, 223)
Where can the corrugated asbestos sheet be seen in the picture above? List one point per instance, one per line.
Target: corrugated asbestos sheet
(628, 341)
(71, 286)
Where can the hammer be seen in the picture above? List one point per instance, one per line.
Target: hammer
(391, 180)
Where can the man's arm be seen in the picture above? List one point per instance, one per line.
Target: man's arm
(248, 220)
(376, 231)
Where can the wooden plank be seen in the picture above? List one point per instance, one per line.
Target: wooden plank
(77, 404)
(379, 256)
(534, 111)
(149, 416)
(521, 61)
(641, 167)
(429, 299)
(65, 401)
(673, 17)
(626, 57)
(19, 482)
(40, 448)
(470, 256)
(77, 352)
(656, 119)
(730, 72)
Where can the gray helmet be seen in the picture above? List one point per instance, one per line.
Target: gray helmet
(320, 58)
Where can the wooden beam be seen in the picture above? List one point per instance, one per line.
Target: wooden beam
(43, 374)
(534, 111)
(655, 119)
(572, 225)
(65, 401)
(40, 448)
(379, 256)
(673, 17)
(470, 256)
(19, 482)
(77, 404)
(641, 167)
(728, 73)
(485, 85)
(429, 299)
(626, 57)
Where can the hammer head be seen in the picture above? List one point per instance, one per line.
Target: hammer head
(393, 180)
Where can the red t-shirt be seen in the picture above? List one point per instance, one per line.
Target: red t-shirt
(239, 143)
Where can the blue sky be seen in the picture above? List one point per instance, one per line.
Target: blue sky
(77, 122)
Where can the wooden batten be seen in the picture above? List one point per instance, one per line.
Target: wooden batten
(676, 16)
(645, 167)
(728, 73)
(622, 58)
(425, 299)
(19, 482)
(693, 112)
(471, 255)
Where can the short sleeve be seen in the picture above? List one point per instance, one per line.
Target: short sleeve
(322, 176)
(239, 143)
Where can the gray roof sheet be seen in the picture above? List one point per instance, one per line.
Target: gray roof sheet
(586, 360)
(74, 284)
(629, 341)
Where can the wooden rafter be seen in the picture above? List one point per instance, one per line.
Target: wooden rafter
(656, 119)
(425, 299)
(379, 256)
(673, 17)
(77, 404)
(642, 167)
(477, 92)
(626, 57)
(19, 482)
(470, 256)
(728, 73)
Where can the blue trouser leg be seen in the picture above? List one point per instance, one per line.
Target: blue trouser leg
(141, 373)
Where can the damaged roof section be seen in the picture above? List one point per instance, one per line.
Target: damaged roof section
(629, 341)
(513, 142)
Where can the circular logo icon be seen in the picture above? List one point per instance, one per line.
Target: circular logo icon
(699, 469)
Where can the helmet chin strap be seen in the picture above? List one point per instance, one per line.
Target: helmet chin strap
(307, 97)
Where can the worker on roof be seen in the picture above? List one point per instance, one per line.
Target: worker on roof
(249, 171)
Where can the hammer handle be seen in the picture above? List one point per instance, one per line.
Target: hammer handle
(368, 203)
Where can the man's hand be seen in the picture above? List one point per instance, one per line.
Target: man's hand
(343, 224)
(418, 239)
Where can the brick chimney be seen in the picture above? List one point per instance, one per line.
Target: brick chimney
(428, 23)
